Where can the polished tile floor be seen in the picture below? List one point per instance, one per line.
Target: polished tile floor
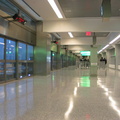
(66, 94)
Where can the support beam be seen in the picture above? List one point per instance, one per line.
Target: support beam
(82, 25)
(79, 48)
(82, 41)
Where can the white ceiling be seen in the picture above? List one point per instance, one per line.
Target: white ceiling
(85, 8)
(43, 8)
(48, 16)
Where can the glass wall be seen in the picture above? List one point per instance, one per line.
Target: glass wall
(10, 50)
(15, 62)
(10, 59)
(30, 69)
(10, 71)
(2, 65)
(2, 48)
(64, 61)
(2, 74)
(53, 60)
(22, 51)
(22, 70)
(29, 52)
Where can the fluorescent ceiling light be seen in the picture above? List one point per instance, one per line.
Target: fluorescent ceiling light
(115, 39)
(99, 51)
(85, 53)
(55, 8)
(104, 48)
(70, 34)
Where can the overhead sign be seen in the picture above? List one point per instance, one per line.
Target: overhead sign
(85, 53)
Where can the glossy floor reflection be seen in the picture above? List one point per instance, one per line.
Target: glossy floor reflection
(66, 94)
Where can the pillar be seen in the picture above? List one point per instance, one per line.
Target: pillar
(93, 60)
(117, 55)
(108, 57)
(42, 55)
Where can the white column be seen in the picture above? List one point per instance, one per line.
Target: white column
(42, 56)
(117, 55)
(93, 60)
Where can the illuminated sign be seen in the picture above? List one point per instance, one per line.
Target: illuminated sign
(85, 53)
(88, 33)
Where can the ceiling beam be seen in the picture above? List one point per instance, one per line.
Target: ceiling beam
(82, 25)
(79, 47)
(82, 41)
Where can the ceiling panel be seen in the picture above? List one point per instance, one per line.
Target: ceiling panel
(83, 34)
(87, 8)
(97, 34)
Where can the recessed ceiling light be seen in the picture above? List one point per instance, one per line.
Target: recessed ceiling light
(115, 39)
(55, 8)
(70, 34)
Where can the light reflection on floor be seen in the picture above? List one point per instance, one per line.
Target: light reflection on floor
(16, 98)
(66, 94)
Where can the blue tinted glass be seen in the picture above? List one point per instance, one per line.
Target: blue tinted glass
(2, 74)
(10, 70)
(30, 52)
(10, 50)
(21, 51)
(2, 48)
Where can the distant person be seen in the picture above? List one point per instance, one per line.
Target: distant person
(101, 59)
(102, 63)
(87, 64)
(105, 61)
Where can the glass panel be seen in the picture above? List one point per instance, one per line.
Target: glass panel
(30, 52)
(2, 48)
(64, 62)
(21, 51)
(10, 50)
(22, 70)
(2, 76)
(30, 69)
(10, 70)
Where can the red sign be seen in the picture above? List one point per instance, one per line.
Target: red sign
(18, 18)
(88, 33)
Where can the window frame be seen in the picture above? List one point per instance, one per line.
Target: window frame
(16, 61)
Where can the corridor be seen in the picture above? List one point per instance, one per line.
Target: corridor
(65, 94)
